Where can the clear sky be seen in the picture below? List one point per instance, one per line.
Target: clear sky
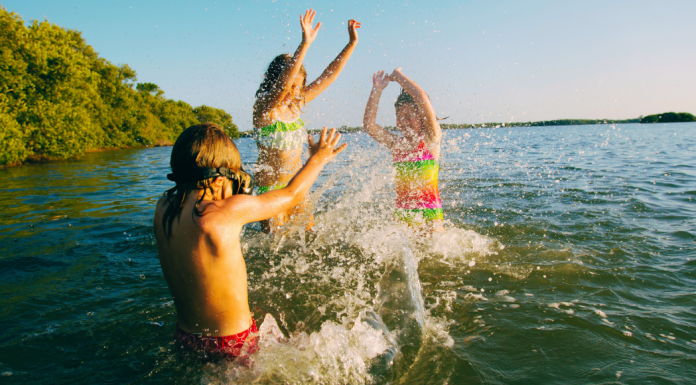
(480, 61)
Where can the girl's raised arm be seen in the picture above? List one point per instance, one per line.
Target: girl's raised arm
(284, 84)
(334, 69)
(431, 127)
(380, 80)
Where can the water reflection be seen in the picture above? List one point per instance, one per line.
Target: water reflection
(565, 252)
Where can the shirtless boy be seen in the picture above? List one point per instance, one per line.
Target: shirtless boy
(197, 226)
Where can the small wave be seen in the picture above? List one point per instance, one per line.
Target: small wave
(462, 245)
(336, 354)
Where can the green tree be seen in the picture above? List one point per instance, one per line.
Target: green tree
(12, 139)
(58, 98)
(49, 88)
(206, 114)
(149, 88)
(177, 116)
(669, 117)
(12, 94)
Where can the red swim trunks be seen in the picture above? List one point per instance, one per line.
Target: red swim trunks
(236, 345)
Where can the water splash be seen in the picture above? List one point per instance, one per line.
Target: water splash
(366, 320)
(338, 354)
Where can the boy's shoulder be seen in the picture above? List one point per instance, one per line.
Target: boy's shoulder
(161, 202)
(161, 206)
(227, 211)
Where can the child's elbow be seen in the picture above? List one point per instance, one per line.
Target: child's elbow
(294, 196)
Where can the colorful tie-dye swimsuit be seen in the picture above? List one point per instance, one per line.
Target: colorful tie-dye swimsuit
(417, 195)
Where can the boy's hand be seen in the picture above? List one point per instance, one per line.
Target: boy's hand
(380, 80)
(353, 26)
(309, 34)
(324, 150)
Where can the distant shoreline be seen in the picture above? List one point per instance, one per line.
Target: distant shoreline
(346, 129)
(544, 123)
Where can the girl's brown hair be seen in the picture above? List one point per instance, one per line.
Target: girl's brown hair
(404, 99)
(270, 78)
(201, 145)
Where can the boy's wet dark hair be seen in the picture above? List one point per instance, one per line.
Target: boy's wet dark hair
(199, 146)
(270, 78)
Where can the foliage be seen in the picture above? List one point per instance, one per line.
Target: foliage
(206, 114)
(149, 88)
(58, 98)
(669, 117)
(12, 139)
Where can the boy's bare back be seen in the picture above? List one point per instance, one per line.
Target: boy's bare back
(204, 268)
(202, 259)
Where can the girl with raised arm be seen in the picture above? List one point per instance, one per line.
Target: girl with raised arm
(416, 152)
(279, 131)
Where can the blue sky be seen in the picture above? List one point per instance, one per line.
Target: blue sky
(480, 61)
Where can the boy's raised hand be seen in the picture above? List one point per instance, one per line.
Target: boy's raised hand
(353, 26)
(309, 33)
(326, 148)
(380, 80)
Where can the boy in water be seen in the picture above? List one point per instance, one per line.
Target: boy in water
(197, 225)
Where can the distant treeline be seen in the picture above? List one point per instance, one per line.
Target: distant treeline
(667, 117)
(558, 122)
(58, 98)
(342, 129)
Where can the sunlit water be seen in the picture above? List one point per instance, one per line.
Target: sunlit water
(569, 257)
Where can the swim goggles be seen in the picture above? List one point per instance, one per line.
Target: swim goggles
(240, 184)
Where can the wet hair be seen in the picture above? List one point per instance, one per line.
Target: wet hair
(201, 145)
(270, 78)
(404, 99)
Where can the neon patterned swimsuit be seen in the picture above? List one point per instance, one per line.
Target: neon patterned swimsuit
(282, 135)
(264, 189)
(417, 195)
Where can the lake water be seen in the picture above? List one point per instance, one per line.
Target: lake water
(569, 257)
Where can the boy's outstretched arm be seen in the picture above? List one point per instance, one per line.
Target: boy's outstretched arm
(380, 80)
(284, 83)
(257, 208)
(432, 128)
(334, 69)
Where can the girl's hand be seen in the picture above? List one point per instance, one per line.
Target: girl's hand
(353, 26)
(380, 80)
(324, 150)
(309, 33)
(395, 74)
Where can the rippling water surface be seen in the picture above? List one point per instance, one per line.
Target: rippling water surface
(569, 257)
